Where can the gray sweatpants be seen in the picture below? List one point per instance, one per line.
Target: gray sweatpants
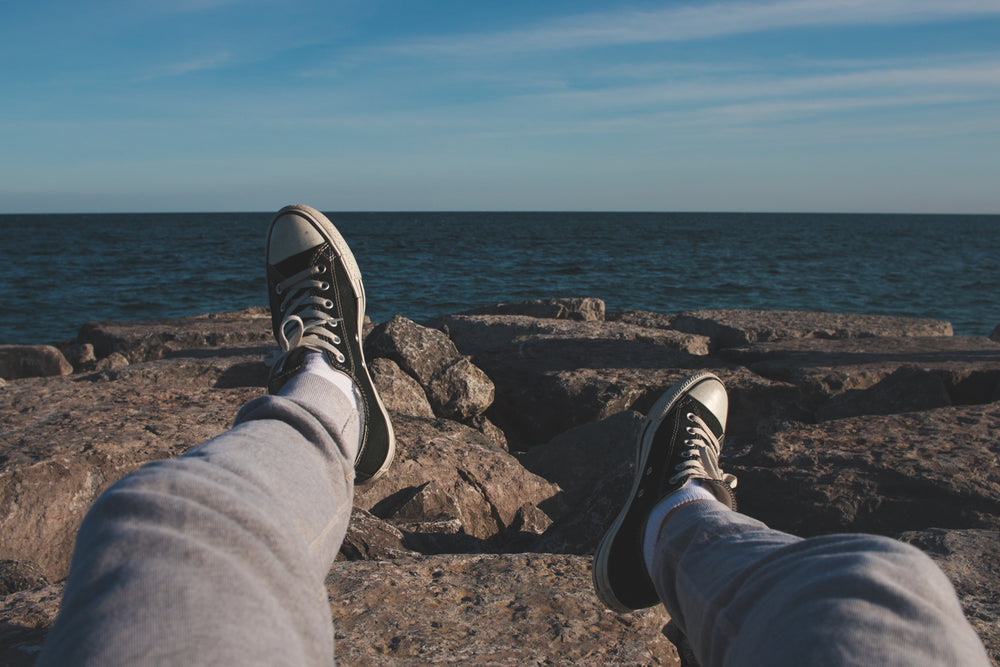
(745, 594)
(219, 556)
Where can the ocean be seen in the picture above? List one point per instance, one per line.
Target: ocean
(59, 271)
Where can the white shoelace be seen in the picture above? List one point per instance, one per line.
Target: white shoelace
(306, 322)
(701, 458)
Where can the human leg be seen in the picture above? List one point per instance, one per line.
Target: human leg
(746, 594)
(219, 556)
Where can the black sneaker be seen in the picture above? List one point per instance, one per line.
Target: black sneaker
(318, 304)
(680, 440)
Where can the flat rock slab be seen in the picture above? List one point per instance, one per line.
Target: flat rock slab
(152, 339)
(922, 372)
(513, 609)
(735, 328)
(877, 474)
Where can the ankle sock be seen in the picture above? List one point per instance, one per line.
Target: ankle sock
(317, 365)
(691, 491)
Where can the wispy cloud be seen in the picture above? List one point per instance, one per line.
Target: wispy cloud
(185, 67)
(697, 22)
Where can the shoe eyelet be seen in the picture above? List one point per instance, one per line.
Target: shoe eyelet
(689, 430)
(690, 416)
(640, 494)
(324, 286)
(328, 304)
(649, 470)
(278, 290)
(319, 269)
(341, 358)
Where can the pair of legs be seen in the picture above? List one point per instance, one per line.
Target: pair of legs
(219, 556)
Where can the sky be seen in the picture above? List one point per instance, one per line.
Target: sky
(245, 105)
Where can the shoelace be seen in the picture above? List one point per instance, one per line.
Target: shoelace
(306, 322)
(701, 458)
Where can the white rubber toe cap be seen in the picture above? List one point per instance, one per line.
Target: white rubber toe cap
(290, 235)
(712, 394)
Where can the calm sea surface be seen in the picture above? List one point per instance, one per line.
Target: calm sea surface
(59, 271)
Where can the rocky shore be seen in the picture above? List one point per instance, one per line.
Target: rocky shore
(516, 426)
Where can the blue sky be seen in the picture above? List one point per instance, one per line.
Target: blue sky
(787, 105)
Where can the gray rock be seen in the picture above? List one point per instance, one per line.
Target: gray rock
(461, 391)
(400, 392)
(579, 309)
(455, 388)
(29, 361)
(735, 328)
(422, 352)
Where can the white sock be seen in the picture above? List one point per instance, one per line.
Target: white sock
(317, 365)
(692, 490)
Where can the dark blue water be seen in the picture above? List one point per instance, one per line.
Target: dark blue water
(59, 271)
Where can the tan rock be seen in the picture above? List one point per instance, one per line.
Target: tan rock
(28, 361)
(512, 609)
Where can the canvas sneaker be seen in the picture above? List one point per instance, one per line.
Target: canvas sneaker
(318, 304)
(679, 441)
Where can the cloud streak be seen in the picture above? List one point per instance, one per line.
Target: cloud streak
(697, 22)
